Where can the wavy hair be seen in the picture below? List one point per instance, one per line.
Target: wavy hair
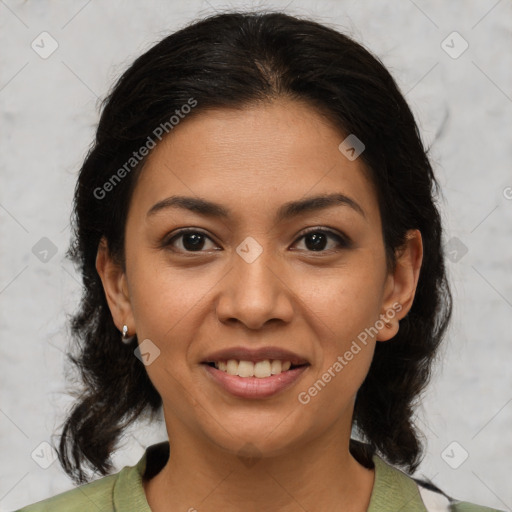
(233, 60)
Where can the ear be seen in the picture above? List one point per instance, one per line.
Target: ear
(116, 288)
(400, 287)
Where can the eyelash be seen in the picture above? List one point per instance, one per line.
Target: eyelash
(343, 241)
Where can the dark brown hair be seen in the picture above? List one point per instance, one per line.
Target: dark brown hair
(232, 60)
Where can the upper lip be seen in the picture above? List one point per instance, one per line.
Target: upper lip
(255, 355)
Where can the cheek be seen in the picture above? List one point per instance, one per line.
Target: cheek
(345, 307)
(346, 300)
(166, 304)
(163, 298)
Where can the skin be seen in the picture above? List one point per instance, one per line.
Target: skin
(314, 303)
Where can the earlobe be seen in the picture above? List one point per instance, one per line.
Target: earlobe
(402, 284)
(115, 287)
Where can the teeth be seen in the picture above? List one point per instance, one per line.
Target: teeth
(276, 367)
(260, 369)
(232, 367)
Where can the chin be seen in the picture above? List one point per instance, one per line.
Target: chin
(256, 439)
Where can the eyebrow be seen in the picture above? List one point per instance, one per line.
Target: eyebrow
(286, 211)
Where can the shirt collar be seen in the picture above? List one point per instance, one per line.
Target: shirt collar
(392, 488)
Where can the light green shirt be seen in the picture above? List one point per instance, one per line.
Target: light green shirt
(393, 491)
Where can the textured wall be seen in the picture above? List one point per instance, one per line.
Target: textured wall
(48, 108)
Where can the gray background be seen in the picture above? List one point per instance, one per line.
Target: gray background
(49, 108)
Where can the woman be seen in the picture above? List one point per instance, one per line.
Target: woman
(262, 259)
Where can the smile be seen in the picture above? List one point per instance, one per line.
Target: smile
(246, 379)
(260, 369)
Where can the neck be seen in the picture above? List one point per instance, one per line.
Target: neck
(321, 475)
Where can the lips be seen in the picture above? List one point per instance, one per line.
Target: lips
(244, 372)
(255, 355)
(254, 388)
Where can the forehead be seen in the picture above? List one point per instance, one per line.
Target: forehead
(258, 157)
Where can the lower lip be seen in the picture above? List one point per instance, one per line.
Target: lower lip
(255, 387)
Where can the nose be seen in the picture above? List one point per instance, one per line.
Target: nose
(255, 291)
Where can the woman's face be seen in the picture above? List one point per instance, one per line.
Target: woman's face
(250, 279)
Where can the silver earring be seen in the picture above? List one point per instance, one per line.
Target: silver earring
(125, 338)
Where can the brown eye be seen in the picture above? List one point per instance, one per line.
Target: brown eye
(317, 239)
(192, 240)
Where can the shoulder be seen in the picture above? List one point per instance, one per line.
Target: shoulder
(97, 495)
(394, 488)
(436, 500)
(120, 491)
